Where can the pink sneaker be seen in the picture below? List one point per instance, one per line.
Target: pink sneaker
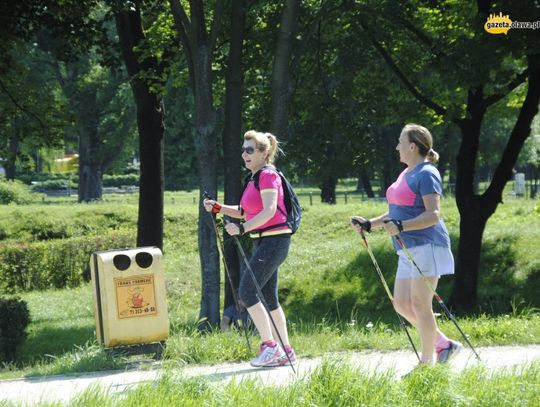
(268, 356)
(284, 361)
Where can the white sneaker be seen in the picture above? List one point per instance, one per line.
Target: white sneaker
(285, 360)
(268, 356)
(444, 355)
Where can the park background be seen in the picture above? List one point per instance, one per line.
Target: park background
(118, 115)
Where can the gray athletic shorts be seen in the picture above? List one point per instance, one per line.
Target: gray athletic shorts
(431, 259)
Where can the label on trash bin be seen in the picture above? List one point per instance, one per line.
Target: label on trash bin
(135, 296)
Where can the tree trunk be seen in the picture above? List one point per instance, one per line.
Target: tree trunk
(13, 151)
(199, 47)
(151, 129)
(232, 138)
(90, 171)
(84, 104)
(387, 178)
(365, 183)
(90, 184)
(328, 190)
(205, 147)
(471, 228)
(281, 75)
(472, 221)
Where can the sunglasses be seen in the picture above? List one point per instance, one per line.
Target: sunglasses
(249, 150)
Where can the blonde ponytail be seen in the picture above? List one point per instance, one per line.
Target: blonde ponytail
(433, 156)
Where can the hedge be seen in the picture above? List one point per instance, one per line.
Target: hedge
(120, 180)
(55, 183)
(55, 263)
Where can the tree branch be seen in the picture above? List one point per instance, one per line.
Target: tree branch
(428, 41)
(406, 82)
(518, 80)
(183, 27)
(180, 16)
(216, 25)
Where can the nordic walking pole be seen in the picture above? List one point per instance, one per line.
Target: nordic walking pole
(221, 247)
(261, 298)
(402, 323)
(437, 297)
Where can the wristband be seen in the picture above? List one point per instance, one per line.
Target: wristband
(241, 229)
(398, 223)
(216, 208)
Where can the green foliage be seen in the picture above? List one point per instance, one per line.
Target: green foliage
(53, 184)
(28, 179)
(179, 152)
(14, 318)
(15, 192)
(120, 180)
(57, 263)
(34, 115)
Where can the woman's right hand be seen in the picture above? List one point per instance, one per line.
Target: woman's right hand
(209, 204)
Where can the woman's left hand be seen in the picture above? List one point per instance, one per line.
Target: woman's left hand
(232, 229)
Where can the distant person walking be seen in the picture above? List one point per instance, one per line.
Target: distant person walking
(415, 214)
(263, 208)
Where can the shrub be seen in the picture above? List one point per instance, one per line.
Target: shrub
(120, 180)
(14, 318)
(53, 184)
(56, 263)
(28, 179)
(15, 192)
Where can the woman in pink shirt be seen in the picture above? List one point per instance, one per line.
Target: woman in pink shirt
(263, 209)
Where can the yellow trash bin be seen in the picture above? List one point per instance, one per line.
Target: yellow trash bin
(129, 296)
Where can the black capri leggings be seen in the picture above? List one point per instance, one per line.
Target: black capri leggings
(268, 254)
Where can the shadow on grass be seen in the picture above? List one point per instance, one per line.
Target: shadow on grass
(46, 342)
(353, 292)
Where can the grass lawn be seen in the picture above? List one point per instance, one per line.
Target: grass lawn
(336, 383)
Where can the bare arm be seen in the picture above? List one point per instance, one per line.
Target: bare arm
(231, 211)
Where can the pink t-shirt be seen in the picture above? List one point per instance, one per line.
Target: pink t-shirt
(252, 203)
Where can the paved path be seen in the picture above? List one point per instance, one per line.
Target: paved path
(63, 388)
